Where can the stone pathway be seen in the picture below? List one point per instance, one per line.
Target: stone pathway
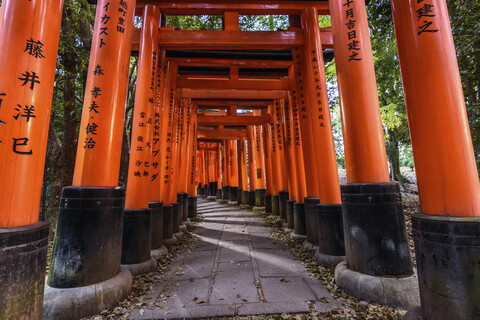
(236, 268)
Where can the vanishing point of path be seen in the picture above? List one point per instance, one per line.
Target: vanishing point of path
(236, 268)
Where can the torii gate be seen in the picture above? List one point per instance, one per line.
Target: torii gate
(101, 228)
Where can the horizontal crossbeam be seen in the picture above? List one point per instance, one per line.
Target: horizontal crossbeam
(245, 84)
(228, 40)
(204, 120)
(232, 94)
(218, 7)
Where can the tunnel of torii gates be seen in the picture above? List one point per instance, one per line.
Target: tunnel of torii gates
(242, 116)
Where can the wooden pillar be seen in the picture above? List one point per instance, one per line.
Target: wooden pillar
(98, 153)
(298, 87)
(140, 165)
(242, 162)
(95, 230)
(279, 151)
(155, 159)
(365, 155)
(316, 89)
(29, 33)
(266, 131)
(167, 134)
(183, 147)
(298, 149)
(251, 158)
(29, 41)
(192, 167)
(448, 184)
(233, 163)
(291, 164)
(259, 157)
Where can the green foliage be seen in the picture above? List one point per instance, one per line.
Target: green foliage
(263, 22)
(199, 22)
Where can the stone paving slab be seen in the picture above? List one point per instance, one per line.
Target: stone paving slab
(235, 268)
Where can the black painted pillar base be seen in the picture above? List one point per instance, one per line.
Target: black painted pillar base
(448, 255)
(176, 218)
(23, 259)
(239, 195)
(268, 203)
(260, 197)
(168, 237)
(219, 194)
(311, 213)
(251, 198)
(330, 230)
(87, 252)
(290, 215)
(180, 207)
(226, 193)
(245, 195)
(200, 190)
(374, 225)
(233, 194)
(192, 207)
(282, 204)
(185, 207)
(212, 189)
(157, 224)
(275, 205)
(136, 243)
(300, 229)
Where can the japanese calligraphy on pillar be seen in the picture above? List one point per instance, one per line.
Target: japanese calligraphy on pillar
(287, 123)
(425, 15)
(317, 99)
(24, 115)
(296, 124)
(258, 134)
(299, 92)
(168, 149)
(278, 118)
(353, 44)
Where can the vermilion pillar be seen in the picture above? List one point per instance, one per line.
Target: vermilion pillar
(167, 133)
(192, 156)
(316, 89)
(137, 227)
(298, 149)
(243, 173)
(233, 170)
(140, 164)
(252, 171)
(298, 89)
(371, 205)
(280, 158)
(89, 227)
(29, 33)
(266, 131)
(448, 185)
(260, 191)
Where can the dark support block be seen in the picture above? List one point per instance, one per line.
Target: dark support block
(88, 242)
(290, 215)
(448, 255)
(23, 257)
(85, 276)
(137, 232)
(330, 229)
(245, 195)
(192, 207)
(226, 193)
(275, 205)
(268, 203)
(200, 190)
(311, 213)
(299, 219)
(185, 206)
(168, 238)
(233, 193)
(176, 217)
(251, 198)
(375, 234)
(260, 197)
(212, 190)
(180, 207)
(282, 204)
(157, 224)
(239, 195)
(219, 194)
